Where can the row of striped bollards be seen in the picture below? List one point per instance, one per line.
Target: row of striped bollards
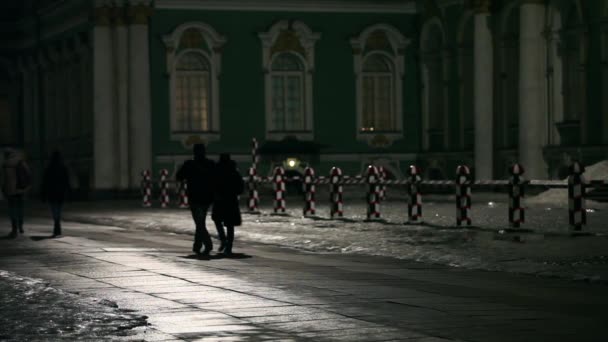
(376, 182)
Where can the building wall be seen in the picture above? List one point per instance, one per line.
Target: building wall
(241, 84)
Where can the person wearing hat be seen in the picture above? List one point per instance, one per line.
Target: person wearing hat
(16, 180)
(226, 212)
(199, 174)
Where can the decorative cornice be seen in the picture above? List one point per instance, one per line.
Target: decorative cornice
(102, 16)
(140, 13)
(358, 6)
(481, 6)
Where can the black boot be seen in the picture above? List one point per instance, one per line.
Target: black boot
(57, 229)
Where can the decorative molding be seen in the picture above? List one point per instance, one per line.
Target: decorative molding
(380, 39)
(215, 41)
(339, 6)
(298, 39)
(140, 13)
(481, 6)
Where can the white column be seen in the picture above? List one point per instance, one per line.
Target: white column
(122, 89)
(532, 111)
(139, 92)
(103, 105)
(483, 90)
(556, 92)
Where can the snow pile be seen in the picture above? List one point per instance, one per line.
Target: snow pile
(34, 311)
(559, 197)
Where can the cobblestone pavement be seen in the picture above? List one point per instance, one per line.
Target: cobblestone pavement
(268, 293)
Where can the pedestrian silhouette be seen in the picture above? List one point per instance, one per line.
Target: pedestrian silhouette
(226, 212)
(16, 181)
(198, 175)
(55, 186)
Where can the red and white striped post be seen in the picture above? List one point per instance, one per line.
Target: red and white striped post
(309, 189)
(463, 195)
(254, 153)
(183, 195)
(577, 215)
(164, 188)
(414, 200)
(146, 188)
(382, 178)
(516, 192)
(252, 184)
(279, 189)
(373, 194)
(335, 192)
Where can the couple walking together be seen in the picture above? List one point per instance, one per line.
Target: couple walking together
(212, 184)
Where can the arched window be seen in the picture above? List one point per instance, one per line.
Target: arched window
(378, 94)
(194, 52)
(288, 61)
(466, 73)
(378, 60)
(192, 93)
(434, 90)
(508, 99)
(287, 78)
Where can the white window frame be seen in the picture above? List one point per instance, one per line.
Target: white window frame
(206, 74)
(307, 39)
(398, 44)
(214, 41)
(286, 74)
(375, 76)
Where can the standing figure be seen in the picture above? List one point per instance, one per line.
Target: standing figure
(55, 186)
(16, 180)
(226, 212)
(199, 175)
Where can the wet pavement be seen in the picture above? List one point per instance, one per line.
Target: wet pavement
(269, 293)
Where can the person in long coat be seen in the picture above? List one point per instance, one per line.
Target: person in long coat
(55, 186)
(226, 212)
(199, 175)
(13, 166)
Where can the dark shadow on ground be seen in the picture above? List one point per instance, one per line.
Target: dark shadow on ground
(217, 256)
(43, 237)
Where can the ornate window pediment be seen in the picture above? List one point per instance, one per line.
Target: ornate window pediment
(379, 67)
(194, 55)
(288, 51)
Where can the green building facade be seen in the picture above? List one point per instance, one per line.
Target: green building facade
(123, 86)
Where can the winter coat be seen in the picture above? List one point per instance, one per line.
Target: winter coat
(228, 186)
(198, 174)
(55, 183)
(9, 174)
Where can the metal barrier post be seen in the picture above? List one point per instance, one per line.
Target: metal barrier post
(577, 215)
(463, 195)
(146, 188)
(309, 188)
(516, 192)
(414, 202)
(279, 189)
(335, 190)
(164, 188)
(252, 184)
(373, 194)
(183, 195)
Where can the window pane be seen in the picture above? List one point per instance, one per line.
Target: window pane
(293, 104)
(384, 117)
(192, 93)
(192, 61)
(376, 63)
(278, 110)
(287, 62)
(368, 102)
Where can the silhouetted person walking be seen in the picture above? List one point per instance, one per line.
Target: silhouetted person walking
(16, 180)
(226, 212)
(199, 174)
(55, 185)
